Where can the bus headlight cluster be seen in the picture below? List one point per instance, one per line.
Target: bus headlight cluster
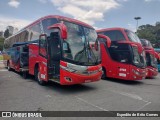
(83, 72)
(136, 72)
(68, 69)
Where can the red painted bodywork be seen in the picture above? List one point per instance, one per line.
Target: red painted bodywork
(151, 71)
(115, 69)
(63, 29)
(42, 62)
(58, 17)
(79, 78)
(34, 59)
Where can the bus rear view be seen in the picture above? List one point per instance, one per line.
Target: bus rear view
(124, 59)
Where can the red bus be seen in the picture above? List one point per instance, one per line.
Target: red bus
(125, 57)
(56, 48)
(151, 58)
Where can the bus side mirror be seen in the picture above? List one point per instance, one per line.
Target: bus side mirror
(139, 47)
(62, 28)
(108, 40)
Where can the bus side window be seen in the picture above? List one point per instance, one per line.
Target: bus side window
(35, 32)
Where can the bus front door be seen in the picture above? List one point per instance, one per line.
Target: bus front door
(54, 55)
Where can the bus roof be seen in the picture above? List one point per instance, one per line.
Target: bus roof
(108, 29)
(61, 18)
(53, 16)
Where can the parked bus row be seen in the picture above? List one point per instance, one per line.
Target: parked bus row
(68, 51)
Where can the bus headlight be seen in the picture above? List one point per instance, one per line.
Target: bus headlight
(68, 69)
(135, 72)
(83, 72)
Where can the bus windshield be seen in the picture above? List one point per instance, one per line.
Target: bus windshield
(133, 37)
(114, 35)
(146, 43)
(77, 47)
(138, 59)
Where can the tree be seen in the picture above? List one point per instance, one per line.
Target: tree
(1, 43)
(6, 33)
(150, 32)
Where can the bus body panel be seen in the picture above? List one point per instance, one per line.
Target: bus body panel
(90, 74)
(151, 57)
(13, 58)
(69, 78)
(152, 71)
(116, 69)
(33, 57)
(119, 70)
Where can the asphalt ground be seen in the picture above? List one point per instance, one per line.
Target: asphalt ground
(18, 94)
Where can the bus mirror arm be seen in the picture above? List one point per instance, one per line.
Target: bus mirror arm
(62, 28)
(140, 48)
(43, 36)
(108, 40)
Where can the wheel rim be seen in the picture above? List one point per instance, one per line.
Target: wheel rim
(103, 73)
(38, 76)
(8, 66)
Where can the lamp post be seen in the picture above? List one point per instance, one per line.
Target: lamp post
(137, 18)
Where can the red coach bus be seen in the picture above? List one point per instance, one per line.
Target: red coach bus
(151, 58)
(56, 48)
(125, 57)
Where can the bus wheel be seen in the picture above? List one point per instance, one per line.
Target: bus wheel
(37, 77)
(8, 66)
(24, 75)
(103, 73)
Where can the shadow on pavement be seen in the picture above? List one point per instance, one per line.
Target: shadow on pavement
(127, 82)
(70, 89)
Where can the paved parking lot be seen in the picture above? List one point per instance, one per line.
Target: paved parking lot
(106, 95)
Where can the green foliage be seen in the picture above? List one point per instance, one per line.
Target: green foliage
(1, 57)
(150, 32)
(1, 43)
(6, 33)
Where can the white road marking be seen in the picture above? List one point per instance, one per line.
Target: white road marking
(134, 96)
(3, 70)
(143, 106)
(94, 105)
(91, 104)
(48, 96)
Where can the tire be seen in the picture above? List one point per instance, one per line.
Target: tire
(24, 75)
(37, 77)
(103, 73)
(8, 66)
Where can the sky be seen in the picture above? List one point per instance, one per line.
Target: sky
(98, 13)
